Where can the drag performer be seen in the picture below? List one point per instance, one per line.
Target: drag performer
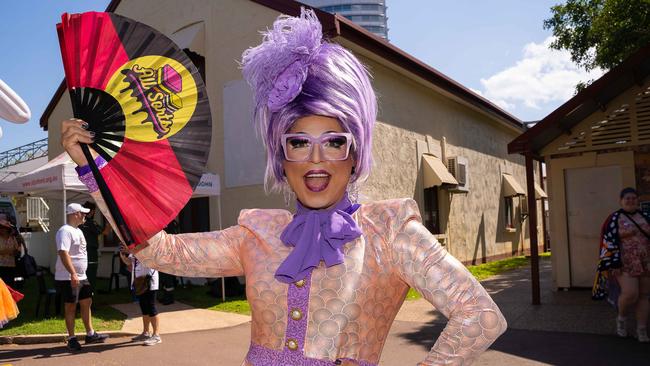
(324, 284)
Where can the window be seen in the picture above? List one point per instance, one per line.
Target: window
(432, 210)
(353, 7)
(198, 61)
(510, 213)
(365, 18)
(374, 28)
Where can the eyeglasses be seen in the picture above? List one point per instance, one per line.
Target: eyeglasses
(334, 146)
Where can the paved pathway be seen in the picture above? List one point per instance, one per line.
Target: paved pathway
(560, 311)
(567, 329)
(179, 317)
(407, 344)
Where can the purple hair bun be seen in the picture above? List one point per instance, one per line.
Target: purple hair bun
(287, 86)
(277, 68)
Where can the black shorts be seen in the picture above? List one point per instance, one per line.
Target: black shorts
(148, 303)
(69, 294)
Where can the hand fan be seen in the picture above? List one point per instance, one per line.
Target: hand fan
(147, 105)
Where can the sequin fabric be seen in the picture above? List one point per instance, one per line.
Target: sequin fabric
(260, 356)
(293, 354)
(88, 179)
(351, 305)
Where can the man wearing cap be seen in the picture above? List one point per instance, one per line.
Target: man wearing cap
(70, 276)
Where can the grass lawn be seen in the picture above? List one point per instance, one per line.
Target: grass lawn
(104, 317)
(487, 270)
(196, 295)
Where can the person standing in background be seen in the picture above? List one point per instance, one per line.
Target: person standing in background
(70, 276)
(91, 230)
(625, 260)
(144, 282)
(8, 248)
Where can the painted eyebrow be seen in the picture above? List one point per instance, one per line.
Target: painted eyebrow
(305, 133)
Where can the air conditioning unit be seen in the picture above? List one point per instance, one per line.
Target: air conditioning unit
(458, 167)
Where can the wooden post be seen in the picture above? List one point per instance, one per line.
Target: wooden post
(532, 225)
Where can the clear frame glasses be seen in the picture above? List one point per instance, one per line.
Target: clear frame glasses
(334, 146)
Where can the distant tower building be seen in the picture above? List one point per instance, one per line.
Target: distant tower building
(370, 14)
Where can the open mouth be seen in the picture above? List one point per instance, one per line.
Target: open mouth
(317, 180)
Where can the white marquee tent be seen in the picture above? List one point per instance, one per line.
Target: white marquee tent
(58, 178)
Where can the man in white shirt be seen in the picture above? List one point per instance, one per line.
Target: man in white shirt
(70, 276)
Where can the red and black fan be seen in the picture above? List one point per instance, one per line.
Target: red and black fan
(147, 105)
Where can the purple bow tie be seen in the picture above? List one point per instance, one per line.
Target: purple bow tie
(317, 235)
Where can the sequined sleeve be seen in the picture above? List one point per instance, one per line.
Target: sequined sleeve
(210, 254)
(475, 321)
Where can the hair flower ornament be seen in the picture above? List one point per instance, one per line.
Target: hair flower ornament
(287, 86)
(277, 68)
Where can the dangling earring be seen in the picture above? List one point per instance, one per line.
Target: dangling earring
(288, 195)
(353, 192)
(353, 189)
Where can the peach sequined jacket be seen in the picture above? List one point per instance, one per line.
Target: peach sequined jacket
(347, 309)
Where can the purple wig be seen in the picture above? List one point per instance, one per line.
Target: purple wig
(293, 74)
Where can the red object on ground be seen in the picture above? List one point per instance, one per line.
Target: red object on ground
(17, 296)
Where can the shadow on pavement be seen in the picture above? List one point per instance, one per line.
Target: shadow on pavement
(555, 348)
(60, 350)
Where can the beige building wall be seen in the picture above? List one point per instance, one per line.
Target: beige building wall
(410, 110)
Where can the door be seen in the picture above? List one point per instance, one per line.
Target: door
(591, 195)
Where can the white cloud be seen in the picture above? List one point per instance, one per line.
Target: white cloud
(543, 76)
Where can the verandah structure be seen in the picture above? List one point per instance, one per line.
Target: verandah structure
(593, 145)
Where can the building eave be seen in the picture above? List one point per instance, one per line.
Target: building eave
(336, 25)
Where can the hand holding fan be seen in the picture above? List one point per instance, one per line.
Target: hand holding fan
(147, 105)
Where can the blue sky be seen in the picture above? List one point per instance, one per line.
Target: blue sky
(497, 48)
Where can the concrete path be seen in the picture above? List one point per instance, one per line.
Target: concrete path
(407, 344)
(567, 329)
(178, 317)
(560, 311)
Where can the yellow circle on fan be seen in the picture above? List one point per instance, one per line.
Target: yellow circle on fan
(158, 96)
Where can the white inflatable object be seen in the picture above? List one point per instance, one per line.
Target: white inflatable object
(12, 108)
(0, 132)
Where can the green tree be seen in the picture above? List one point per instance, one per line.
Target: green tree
(600, 33)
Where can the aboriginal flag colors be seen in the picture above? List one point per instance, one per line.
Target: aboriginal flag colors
(147, 105)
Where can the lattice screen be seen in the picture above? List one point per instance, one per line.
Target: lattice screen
(642, 104)
(618, 128)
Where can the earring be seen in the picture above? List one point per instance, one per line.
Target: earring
(353, 192)
(288, 195)
(354, 169)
